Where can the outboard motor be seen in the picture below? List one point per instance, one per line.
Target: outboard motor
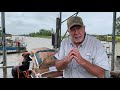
(18, 71)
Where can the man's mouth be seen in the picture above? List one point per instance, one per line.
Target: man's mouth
(76, 37)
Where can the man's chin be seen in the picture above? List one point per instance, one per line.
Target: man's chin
(78, 42)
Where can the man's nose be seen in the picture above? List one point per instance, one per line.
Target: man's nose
(76, 31)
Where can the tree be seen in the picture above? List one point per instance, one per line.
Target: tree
(118, 26)
(42, 32)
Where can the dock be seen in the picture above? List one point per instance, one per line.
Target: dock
(108, 48)
(13, 50)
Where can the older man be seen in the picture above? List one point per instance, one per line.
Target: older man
(81, 55)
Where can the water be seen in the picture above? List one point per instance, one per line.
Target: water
(13, 59)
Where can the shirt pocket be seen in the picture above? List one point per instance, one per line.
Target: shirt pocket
(88, 57)
(81, 68)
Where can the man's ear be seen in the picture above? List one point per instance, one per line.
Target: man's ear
(84, 27)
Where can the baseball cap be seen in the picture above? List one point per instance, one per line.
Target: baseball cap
(74, 20)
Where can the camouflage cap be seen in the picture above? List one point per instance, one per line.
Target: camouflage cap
(74, 20)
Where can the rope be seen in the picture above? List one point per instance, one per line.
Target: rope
(26, 73)
(18, 72)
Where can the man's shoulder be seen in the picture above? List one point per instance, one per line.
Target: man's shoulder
(95, 41)
(91, 37)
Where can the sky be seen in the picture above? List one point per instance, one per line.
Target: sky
(27, 22)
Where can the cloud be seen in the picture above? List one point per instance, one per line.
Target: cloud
(26, 22)
(97, 22)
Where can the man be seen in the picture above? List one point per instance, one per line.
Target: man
(81, 55)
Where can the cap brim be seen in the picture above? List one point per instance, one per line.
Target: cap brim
(74, 25)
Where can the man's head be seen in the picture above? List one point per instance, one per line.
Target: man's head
(76, 29)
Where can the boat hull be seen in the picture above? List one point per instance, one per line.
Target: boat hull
(11, 50)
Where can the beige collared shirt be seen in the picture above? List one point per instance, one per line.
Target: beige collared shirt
(90, 49)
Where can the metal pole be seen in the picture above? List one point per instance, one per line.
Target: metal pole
(60, 28)
(4, 44)
(113, 41)
(77, 13)
(69, 17)
(57, 33)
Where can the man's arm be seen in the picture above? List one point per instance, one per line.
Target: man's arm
(92, 68)
(62, 64)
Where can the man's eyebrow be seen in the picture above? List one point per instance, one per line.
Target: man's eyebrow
(76, 26)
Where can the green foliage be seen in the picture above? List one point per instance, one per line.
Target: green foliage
(102, 37)
(107, 38)
(118, 38)
(42, 33)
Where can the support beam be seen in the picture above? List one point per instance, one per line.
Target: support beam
(113, 41)
(60, 28)
(4, 44)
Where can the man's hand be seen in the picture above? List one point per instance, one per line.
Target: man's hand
(69, 57)
(62, 64)
(76, 55)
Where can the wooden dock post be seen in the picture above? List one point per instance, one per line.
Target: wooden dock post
(113, 41)
(4, 44)
(57, 34)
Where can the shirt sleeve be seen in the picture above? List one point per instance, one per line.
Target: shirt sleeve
(101, 58)
(61, 53)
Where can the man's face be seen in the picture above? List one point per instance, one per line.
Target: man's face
(77, 33)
